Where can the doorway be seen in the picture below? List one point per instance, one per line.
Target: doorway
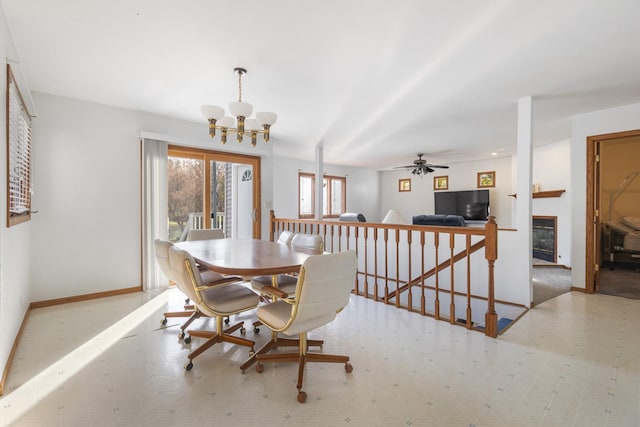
(209, 189)
(613, 191)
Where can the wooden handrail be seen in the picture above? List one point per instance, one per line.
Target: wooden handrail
(392, 279)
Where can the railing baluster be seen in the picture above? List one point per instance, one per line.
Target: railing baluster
(397, 268)
(468, 241)
(356, 245)
(324, 236)
(366, 261)
(331, 230)
(422, 298)
(375, 264)
(452, 302)
(386, 266)
(409, 295)
(436, 244)
(332, 239)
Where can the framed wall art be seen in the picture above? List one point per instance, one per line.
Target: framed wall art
(486, 179)
(404, 184)
(441, 182)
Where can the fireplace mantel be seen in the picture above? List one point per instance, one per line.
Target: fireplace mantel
(541, 194)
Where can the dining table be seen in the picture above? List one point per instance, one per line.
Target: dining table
(247, 257)
(250, 257)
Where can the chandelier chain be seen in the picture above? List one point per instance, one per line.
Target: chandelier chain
(239, 87)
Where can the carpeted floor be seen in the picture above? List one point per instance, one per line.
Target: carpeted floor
(549, 282)
(623, 281)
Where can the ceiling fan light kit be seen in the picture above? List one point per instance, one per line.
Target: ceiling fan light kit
(421, 167)
(239, 124)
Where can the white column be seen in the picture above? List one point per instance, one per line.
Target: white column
(319, 179)
(523, 188)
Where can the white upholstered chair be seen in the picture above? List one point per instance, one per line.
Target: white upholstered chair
(216, 301)
(205, 234)
(285, 237)
(209, 278)
(286, 282)
(324, 286)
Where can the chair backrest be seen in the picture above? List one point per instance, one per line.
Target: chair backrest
(324, 287)
(162, 256)
(307, 241)
(285, 237)
(205, 234)
(185, 273)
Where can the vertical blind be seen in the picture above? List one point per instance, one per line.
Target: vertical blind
(19, 154)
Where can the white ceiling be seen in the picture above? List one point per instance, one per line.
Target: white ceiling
(374, 81)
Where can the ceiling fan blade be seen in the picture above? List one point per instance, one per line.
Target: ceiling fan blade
(438, 166)
(404, 167)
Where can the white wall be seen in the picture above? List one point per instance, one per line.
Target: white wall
(86, 236)
(462, 176)
(363, 187)
(15, 241)
(595, 123)
(86, 157)
(551, 170)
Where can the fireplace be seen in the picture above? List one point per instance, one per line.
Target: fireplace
(544, 238)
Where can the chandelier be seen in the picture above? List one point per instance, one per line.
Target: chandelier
(241, 125)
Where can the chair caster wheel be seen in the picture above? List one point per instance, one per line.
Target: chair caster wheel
(163, 322)
(302, 397)
(187, 340)
(256, 330)
(188, 366)
(243, 331)
(252, 352)
(226, 321)
(186, 301)
(181, 335)
(259, 368)
(348, 367)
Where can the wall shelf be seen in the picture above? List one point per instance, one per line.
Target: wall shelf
(542, 194)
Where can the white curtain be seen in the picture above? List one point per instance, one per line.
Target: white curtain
(154, 209)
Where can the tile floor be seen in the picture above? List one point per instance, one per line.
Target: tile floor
(571, 361)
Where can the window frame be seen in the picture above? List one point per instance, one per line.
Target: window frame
(328, 180)
(221, 156)
(21, 142)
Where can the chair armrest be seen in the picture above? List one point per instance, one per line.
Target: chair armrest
(224, 281)
(274, 292)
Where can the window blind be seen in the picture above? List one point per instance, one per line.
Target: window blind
(18, 155)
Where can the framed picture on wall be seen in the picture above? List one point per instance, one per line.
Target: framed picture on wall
(486, 179)
(441, 182)
(404, 184)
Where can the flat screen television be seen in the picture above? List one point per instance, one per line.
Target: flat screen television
(471, 204)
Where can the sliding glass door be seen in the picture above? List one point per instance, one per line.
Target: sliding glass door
(208, 189)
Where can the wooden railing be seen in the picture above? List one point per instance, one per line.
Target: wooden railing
(416, 267)
(196, 222)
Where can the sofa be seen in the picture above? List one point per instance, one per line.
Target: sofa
(439, 220)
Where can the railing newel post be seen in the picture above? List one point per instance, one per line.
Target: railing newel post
(491, 254)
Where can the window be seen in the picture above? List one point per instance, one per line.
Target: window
(18, 155)
(211, 189)
(334, 195)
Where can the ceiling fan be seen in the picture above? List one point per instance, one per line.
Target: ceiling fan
(420, 166)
